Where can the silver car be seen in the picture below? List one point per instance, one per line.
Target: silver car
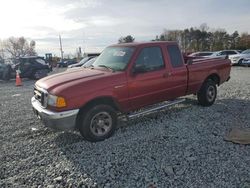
(246, 62)
(237, 59)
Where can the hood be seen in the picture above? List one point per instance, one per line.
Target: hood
(65, 77)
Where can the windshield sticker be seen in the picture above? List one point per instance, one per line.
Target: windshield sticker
(119, 53)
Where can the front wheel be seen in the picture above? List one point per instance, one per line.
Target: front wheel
(207, 94)
(98, 123)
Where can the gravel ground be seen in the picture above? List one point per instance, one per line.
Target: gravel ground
(182, 146)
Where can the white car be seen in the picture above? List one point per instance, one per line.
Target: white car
(237, 59)
(201, 54)
(224, 53)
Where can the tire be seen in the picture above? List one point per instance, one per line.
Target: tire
(207, 94)
(240, 62)
(98, 122)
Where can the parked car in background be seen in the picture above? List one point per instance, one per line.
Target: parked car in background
(89, 62)
(66, 63)
(4, 71)
(246, 62)
(201, 54)
(239, 51)
(82, 62)
(33, 67)
(225, 53)
(238, 58)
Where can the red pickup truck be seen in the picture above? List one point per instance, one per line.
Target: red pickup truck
(125, 78)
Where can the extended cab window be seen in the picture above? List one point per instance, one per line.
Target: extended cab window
(175, 55)
(150, 59)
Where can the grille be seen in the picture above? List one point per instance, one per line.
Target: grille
(40, 96)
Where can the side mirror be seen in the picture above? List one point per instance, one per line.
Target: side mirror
(139, 69)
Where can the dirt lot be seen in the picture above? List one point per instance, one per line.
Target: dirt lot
(181, 147)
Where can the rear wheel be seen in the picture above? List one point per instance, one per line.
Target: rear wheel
(207, 94)
(98, 123)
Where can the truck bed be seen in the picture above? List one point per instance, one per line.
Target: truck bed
(203, 67)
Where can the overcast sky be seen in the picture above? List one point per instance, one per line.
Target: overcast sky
(94, 24)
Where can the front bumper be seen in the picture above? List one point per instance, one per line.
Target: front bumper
(65, 120)
(234, 61)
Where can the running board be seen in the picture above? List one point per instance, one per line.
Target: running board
(154, 109)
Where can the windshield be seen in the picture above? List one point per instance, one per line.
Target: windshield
(246, 52)
(115, 58)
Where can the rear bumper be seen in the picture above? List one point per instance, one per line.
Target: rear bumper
(65, 120)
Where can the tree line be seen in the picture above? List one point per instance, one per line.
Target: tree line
(190, 40)
(202, 39)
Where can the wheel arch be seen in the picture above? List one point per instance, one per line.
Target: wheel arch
(108, 100)
(215, 77)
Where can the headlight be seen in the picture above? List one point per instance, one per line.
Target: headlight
(56, 101)
(235, 58)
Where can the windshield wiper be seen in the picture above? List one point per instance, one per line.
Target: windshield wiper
(107, 67)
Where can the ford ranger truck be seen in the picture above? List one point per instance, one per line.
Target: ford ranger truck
(124, 79)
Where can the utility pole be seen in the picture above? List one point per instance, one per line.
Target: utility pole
(60, 40)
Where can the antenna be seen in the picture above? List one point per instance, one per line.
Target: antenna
(60, 40)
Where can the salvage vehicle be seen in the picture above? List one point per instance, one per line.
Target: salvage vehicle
(226, 52)
(4, 71)
(130, 79)
(238, 58)
(33, 67)
(82, 62)
(66, 63)
(89, 62)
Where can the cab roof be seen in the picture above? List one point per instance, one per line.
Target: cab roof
(137, 44)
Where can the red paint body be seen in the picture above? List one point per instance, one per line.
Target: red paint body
(132, 91)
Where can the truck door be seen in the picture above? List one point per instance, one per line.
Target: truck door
(178, 73)
(154, 80)
(147, 83)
